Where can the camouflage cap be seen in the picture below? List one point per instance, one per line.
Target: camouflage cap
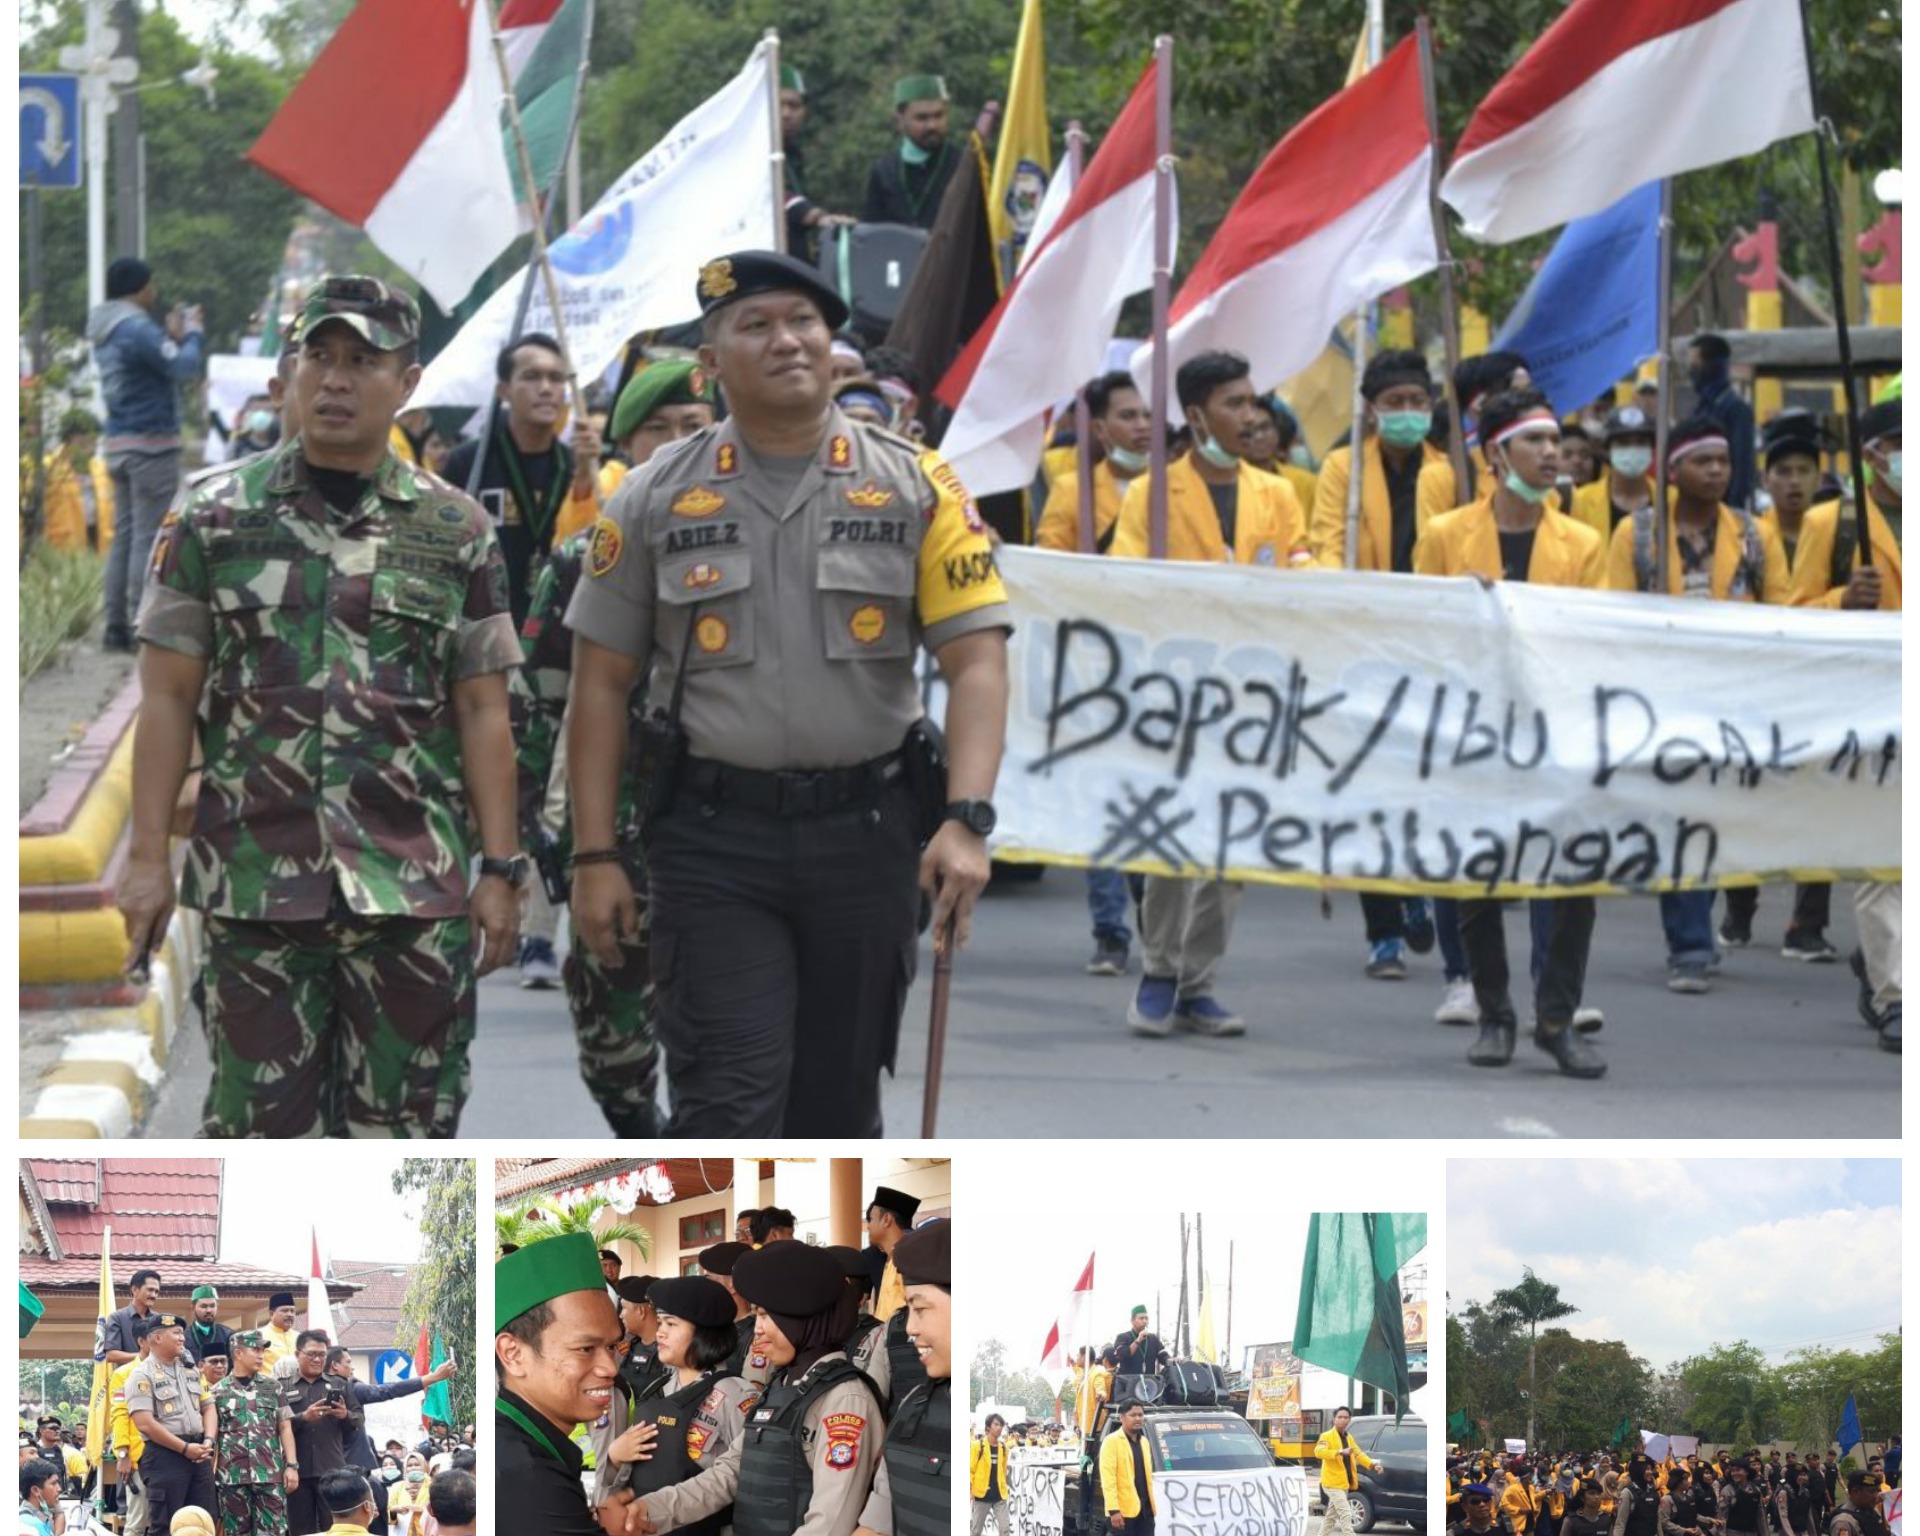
(379, 312)
(250, 1338)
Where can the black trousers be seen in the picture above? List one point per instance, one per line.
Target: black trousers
(173, 1483)
(1141, 1524)
(1483, 935)
(1812, 906)
(1386, 916)
(783, 948)
(306, 1515)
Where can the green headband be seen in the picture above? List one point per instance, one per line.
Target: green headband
(205, 1293)
(919, 88)
(792, 80)
(554, 1266)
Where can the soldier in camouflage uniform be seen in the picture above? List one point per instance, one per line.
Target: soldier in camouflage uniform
(612, 1007)
(250, 1427)
(345, 616)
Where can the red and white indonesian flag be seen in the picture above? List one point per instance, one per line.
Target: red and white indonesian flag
(1618, 93)
(319, 1309)
(1048, 335)
(1057, 1354)
(1337, 215)
(396, 129)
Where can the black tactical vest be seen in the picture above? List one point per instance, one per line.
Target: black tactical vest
(903, 1361)
(1644, 1518)
(919, 1456)
(671, 1414)
(776, 1479)
(1743, 1514)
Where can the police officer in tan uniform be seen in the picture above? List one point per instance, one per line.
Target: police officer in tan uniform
(163, 1400)
(779, 573)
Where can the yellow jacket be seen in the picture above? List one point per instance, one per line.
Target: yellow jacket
(1438, 491)
(1060, 517)
(1327, 530)
(1268, 527)
(1729, 549)
(1465, 541)
(1303, 480)
(401, 444)
(1518, 1501)
(64, 513)
(1813, 559)
(1593, 504)
(1088, 1403)
(1116, 1475)
(989, 1461)
(127, 1439)
(1333, 1469)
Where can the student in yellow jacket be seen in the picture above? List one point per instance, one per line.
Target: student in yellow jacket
(1476, 380)
(1513, 535)
(1274, 441)
(1626, 483)
(1341, 1463)
(1126, 1475)
(988, 1483)
(77, 511)
(1122, 434)
(1087, 1402)
(1399, 396)
(1219, 507)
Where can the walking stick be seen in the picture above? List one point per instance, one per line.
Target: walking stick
(937, 1030)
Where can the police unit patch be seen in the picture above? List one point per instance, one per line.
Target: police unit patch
(725, 459)
(698, 502)
(711, 634)
(717, 279)
(701, 575)
(942, 475)
(868, 623)
(696, 1441)
(843, 1439)
(870, 497)
(603, 547)
(840, 452)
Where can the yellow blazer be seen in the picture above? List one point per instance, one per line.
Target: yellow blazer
(1729, 549)
(64, 514)
(1268, 527)
(1465, 542)
(1333, 1470)
(1327, 530)
(989, 1462)
(1116, 1475)
(1060, 517)
(1438, 490)
(1813, 559)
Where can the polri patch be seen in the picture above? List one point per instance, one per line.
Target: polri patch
(698, 502)
(843, 1439)
(603, 547)
(868, 624)
(711, 634)
(870, 497)
(840, 452)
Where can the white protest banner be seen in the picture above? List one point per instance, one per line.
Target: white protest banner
(631, 264)
(1034, 1482)
(1403, 733)
(1656, 1446)
(1685, 1446)
(1890, 1507)
(1515, 1447)
(234, 378)
(1259, 1501)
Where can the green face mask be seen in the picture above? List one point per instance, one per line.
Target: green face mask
(1209, 449)
(913, 154)
(1533, 495)
(1405, 429)
(1125, 461)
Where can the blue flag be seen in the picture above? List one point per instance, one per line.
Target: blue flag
(1849, 1426)
(1591, 313)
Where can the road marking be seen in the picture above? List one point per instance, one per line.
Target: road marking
(1526, 1125)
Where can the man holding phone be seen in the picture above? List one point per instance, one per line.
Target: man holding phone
(326, 1418)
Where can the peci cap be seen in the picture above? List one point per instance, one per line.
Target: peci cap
(742, 274)
(919, 88)
(382, 315)
(205, 1293)
(554, 1266)
(278, 1300)
(702, 1302)
(901, 1205)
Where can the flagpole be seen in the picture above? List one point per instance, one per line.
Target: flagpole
(1663, 411)
(778, 159)
(1162, 291)
(1836, 275)
(1356, 435)
(1082, 412)
(1449, 301)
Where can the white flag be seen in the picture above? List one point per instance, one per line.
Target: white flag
(319, 1309)
(632, 262)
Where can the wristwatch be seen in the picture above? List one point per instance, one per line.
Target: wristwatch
(514, 869)
(977, 816)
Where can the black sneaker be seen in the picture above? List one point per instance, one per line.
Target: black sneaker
(119, 638)
(1494, 1048)
(1804, 944)
(1890, 1030)
(1735, 934)
(1577, 1058)
(1109, 956)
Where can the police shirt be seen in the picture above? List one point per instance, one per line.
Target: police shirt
(171, 1393)
(799, 614)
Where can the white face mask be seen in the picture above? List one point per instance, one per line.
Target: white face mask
(1893, 471)
(1125, 461)
(1209, 449)
(1631, 463)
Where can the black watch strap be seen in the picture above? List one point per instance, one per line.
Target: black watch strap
(513, 869)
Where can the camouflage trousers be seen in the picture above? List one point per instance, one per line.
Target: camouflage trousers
(613, 1027)
(252, 1509)
(341, 1026)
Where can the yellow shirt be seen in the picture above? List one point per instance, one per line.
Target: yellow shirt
(989, 1461)
(1333, 1466)
(1327, 527)
(1466, 541)
(63, 514)
(1729, 550)
(893, 1293)
(1060, 517)
(127, 1439)
(279, 1347)
(1116, 1474)
(1813, 559)
(1268, 527)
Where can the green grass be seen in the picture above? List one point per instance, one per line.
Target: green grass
(60, 596)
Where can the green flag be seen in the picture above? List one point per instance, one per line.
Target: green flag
(1623, 1434)
(1350, 1317)
(1457, 1426)
(544, 88)
(437, 1401)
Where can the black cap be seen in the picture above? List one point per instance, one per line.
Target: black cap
(278, 1300)
(702, 1302)
(634, 1288)
(127, 275)
(158, 1320)
(925, 1256)
(902, 1206)
(1862, 1479)
(47, 1418)
(721, 1257)
(740, 275)
(1627, 421)
(1880, 420)
(791, 1278)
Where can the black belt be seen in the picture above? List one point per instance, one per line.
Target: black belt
(795, 792)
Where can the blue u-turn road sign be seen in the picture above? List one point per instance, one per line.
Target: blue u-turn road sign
(49, 130)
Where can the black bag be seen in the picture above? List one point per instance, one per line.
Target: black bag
(870, 265)
(1190, 1384)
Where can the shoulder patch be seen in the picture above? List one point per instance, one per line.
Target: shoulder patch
(940, 472)
(603, 547)
(870, 497)
(843, 1431)
(840, 452)
(726, 459)
(698, 502)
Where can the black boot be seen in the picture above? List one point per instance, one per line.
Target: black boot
(1494, 1048)
(1890, 1030)
(630, 1124)
(1576, 1057)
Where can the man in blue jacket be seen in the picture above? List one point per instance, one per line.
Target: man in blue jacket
(142, 364)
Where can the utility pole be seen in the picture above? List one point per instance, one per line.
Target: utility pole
(129, 180)
(101, 73)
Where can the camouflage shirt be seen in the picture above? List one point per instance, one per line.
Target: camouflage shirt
(333, 641)
(251, 1413)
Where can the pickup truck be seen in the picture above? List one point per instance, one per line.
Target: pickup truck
(1178, 1439)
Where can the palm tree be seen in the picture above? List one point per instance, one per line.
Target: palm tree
(538, 1219)
(1532, 1302)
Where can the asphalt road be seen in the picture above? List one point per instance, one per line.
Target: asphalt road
(1038, 1048)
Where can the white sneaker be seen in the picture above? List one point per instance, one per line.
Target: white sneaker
(1588, 1020)
(1458, 1006)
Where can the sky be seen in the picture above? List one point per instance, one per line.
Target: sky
(269, 1208)
(1137, 1260)
(1675, 1257)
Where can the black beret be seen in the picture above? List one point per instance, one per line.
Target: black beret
(728, 279)
(721, 1257)
(634, 1288)
(791, 1278)
(702, 1302)
(925, 1256)
(1882, 420)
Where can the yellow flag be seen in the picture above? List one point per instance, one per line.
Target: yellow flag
(1024, 161)
(1208, 1351)
(97, 1403)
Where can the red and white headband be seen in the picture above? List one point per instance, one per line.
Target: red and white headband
(1535, 418)
(1692, 445)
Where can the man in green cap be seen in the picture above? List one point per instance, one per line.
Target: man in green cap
(250, 1426)
(908, 181)
(205, 1336)
(343, 616)
(804, 216)
(555, 1355)
(664, 401)
(1138, 1352)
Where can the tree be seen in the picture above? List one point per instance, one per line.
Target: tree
(1531, 1302)
(538, 1219)
(1594, 1385)
(1814, 1384)
(1736, 1396)
(56, 1382)
(442, 1292)
(988, 1372)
